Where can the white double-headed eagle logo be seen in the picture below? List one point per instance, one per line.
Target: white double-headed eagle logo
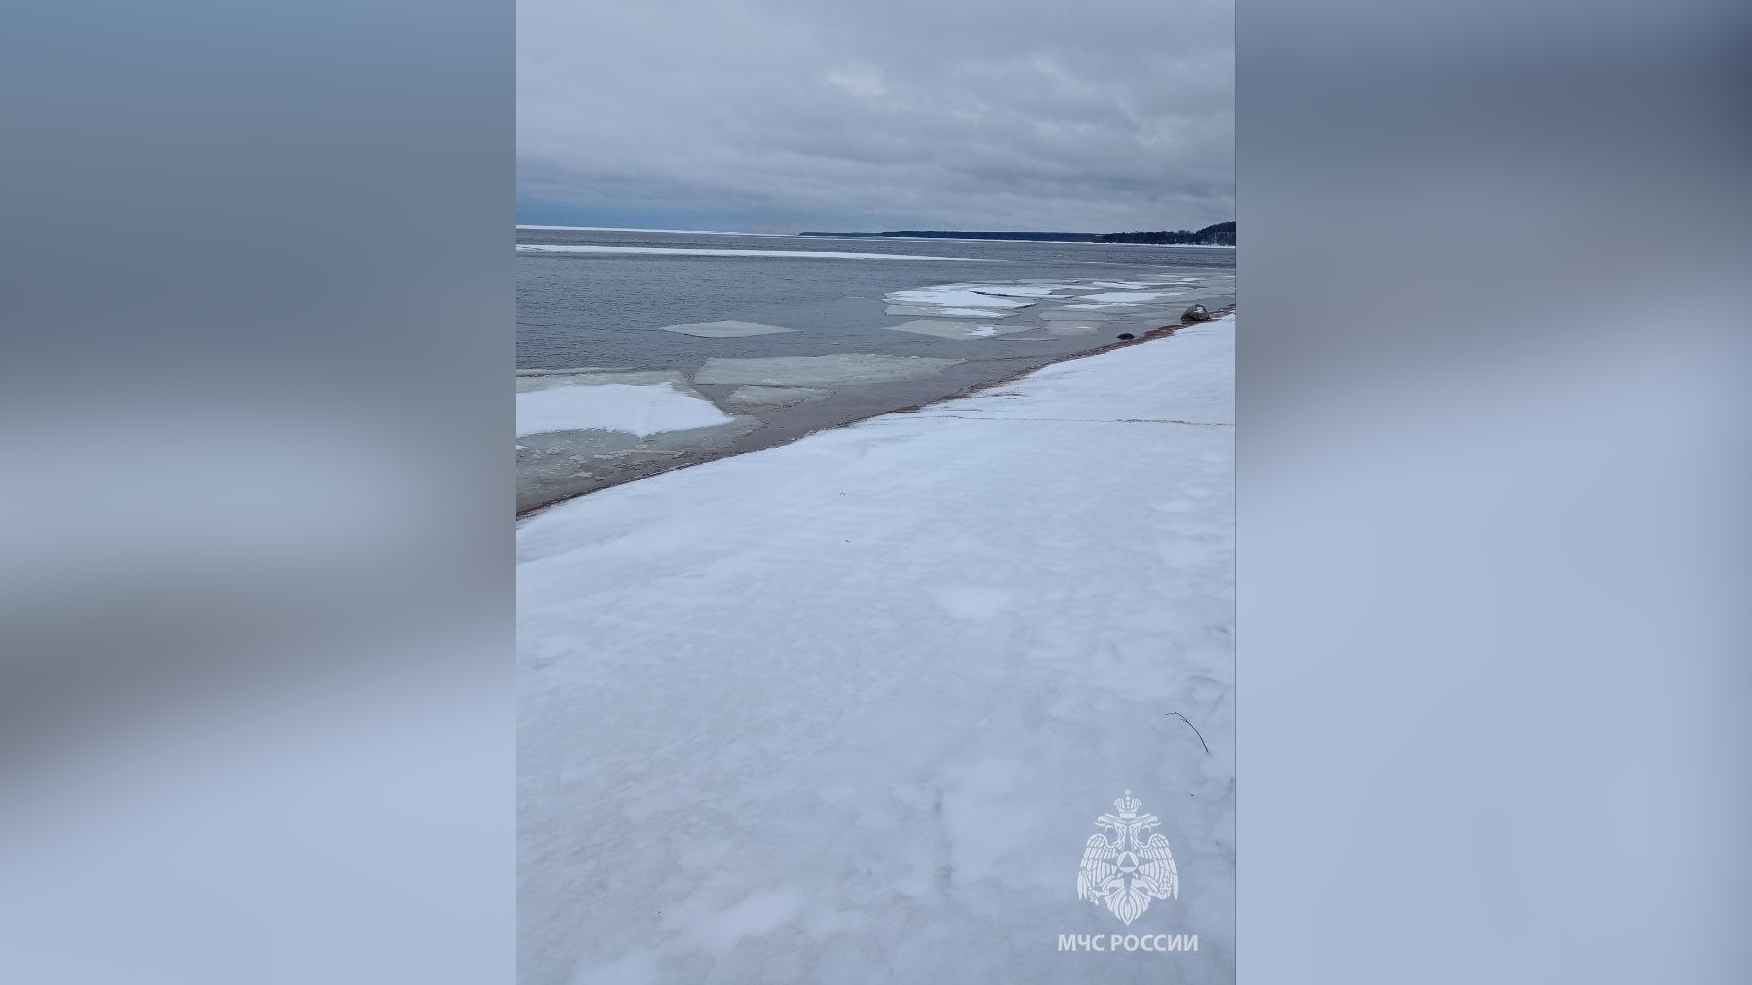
(1132, 868)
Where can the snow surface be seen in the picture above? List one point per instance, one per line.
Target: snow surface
(846, 710)
(643, 410)
(575, 248)
(725, 329)
(850, 367)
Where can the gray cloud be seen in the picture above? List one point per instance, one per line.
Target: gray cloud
(781, 115)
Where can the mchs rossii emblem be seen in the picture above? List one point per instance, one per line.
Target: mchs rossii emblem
(1132, 867)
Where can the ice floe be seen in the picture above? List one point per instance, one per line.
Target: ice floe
(984, 303)
(1125, 297)
(559, 464)
(776, 396)
(725, 329)
(574, 371)
(542, 379)
(928, 311)
(956, 296)
(642, 409)
(1073, 312)
(1019, 290)
(851, 367)
(957, 329)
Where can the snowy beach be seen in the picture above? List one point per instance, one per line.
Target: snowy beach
(847, 709)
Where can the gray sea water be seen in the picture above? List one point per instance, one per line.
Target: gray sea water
(605, 311)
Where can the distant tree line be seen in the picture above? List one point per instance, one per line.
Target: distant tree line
(1220, 234)
(963, 234)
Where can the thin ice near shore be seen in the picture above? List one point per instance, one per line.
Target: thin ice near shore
(854, 703)
(643, 410)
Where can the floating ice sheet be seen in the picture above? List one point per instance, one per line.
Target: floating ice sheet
(851, 367)
(956, 296)
(726, 329)
(528, 380)
(957, 329)
(558, 464)
(1124, 297)
(574, 371)
(776, 396)
(641, 409)
(930, 311)
(1019, 290)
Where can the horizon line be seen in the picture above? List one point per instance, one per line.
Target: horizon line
(637, 229)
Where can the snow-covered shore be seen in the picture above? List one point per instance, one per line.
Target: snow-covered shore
(847, 709)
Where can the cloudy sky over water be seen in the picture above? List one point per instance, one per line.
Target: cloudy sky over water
(786, 115)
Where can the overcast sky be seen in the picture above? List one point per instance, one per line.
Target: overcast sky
(786, 115)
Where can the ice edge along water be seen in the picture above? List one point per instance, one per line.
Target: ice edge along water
(643, 410)
(817, 254)
(854, 702)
